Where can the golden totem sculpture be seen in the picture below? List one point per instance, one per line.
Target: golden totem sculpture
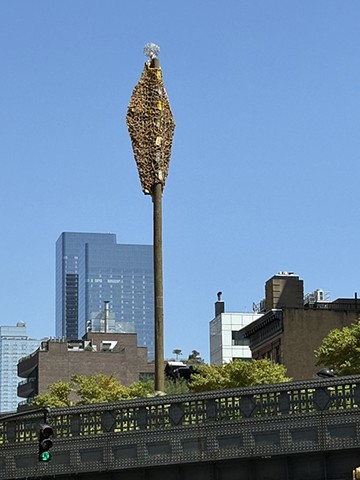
(151, 127)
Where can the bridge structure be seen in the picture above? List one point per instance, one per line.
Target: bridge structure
(291, 431)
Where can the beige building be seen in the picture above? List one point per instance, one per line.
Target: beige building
(58, 359)
(288, 332)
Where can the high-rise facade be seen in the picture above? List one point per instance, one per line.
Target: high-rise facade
(226, 344)
(58, 359)
(14, 344)
(91, 269)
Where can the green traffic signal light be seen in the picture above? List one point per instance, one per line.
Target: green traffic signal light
(45, 457)
(45, 443)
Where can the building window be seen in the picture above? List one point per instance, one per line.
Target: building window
(238, 339)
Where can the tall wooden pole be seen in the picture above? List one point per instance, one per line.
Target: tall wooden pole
(158, 289)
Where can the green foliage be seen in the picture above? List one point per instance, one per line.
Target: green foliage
(194, 359)
(180, 386)
(340, 350)
(57, 396)
(98, 388)
(238, 373)
(86, 389)
(194, 354)
(177, 352)
(141, 389)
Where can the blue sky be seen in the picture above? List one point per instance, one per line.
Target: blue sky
(264, 174)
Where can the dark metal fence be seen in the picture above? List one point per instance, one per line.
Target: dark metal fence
(264, 420)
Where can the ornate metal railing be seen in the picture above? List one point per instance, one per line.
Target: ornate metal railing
(191, 427)
(197, 409)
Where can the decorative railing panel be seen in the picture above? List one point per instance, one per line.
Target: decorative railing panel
(289, 418)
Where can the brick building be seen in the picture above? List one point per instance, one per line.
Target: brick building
(289, 331)
(58, 359)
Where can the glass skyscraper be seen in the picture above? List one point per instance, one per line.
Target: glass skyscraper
(91, 269)
(14, 344)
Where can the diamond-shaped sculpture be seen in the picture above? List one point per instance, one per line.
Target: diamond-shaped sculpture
(151, 127)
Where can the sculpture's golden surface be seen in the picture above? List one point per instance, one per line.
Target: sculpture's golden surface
(151, 127)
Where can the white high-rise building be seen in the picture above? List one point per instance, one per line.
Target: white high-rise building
(226, 343)
(14, 344)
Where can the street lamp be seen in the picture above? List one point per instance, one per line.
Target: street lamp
(151, 127)
(326, 373)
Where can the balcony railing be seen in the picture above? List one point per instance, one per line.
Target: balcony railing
(27, 387)
(289, 419)
(235, 405)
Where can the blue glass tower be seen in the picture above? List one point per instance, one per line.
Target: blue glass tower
(14, 344)
(91, 268)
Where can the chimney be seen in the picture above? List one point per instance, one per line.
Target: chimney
(106, 315)
(284, 290)
(219, 305)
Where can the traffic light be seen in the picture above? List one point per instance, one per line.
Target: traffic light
(45, 443)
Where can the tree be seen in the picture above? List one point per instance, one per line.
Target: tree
(194, 354)
(177, 352)
(238, 373)
(98, 388)
(57, 396)
(87, 389)
(83, 390)
(340, 350)
(194, 358)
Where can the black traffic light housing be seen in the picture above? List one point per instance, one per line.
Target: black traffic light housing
(45, 443)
